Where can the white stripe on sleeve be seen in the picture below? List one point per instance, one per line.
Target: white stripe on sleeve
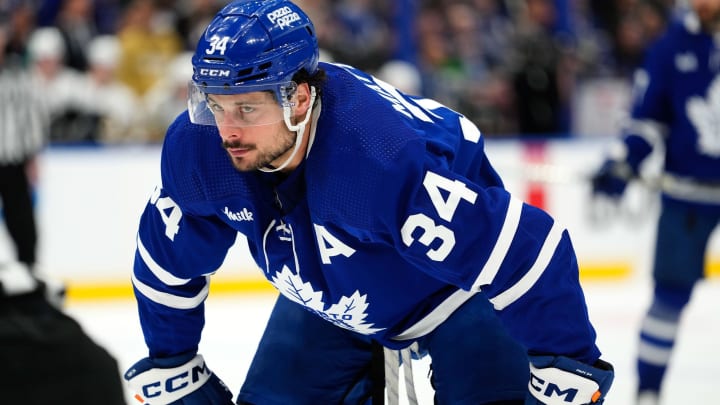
(162, 274)
(652, 131)
(171, 300)
(502, 245)
(547, 251)
(436, 316)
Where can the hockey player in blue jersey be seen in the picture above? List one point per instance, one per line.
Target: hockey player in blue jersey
(378, 218)
(676, 108)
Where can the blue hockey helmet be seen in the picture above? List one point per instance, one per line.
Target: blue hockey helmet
(254, 45)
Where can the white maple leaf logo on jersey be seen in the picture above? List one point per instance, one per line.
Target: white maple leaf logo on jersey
(348, 313)
(704, 113)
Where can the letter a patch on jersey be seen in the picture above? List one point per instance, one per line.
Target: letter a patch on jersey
(329, 245)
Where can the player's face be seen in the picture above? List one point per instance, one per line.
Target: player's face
(252, 129)
(708, 11)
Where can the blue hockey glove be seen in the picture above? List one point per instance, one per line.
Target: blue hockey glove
(180, 380)
(559, 380)
(612, 179)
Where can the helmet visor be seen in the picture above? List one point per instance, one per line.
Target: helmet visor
(239, 106)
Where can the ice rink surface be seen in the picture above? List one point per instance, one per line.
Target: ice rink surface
(234, 325)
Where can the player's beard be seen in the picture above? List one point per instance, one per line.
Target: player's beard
(284, 141)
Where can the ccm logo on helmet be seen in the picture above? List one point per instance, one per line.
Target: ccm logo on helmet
(214, 72)
(283, 17)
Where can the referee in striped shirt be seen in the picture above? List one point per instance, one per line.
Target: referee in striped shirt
(48, 356)
(23, 129)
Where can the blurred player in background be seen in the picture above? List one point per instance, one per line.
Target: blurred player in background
(46, 356)
(676, 109)
(377, 216)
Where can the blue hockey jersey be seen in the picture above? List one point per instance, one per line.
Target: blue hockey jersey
(394, 219)
(676, 107)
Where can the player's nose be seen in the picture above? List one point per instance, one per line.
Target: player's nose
(230, 132)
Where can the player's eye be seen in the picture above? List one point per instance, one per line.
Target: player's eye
(215, 108)
(246, 109)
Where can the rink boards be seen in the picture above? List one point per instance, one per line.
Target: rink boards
(88, 201)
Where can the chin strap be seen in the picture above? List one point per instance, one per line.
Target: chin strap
(299, 130)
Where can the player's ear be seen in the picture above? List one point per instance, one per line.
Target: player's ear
(303, 100)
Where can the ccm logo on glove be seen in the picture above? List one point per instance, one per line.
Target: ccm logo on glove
(553, 392)
(167, 384)
(564, 381)
(176, 382)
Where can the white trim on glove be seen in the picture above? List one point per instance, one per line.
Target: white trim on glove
(161, 386)
(553, 386)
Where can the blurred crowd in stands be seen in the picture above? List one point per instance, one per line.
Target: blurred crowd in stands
(117, 70)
